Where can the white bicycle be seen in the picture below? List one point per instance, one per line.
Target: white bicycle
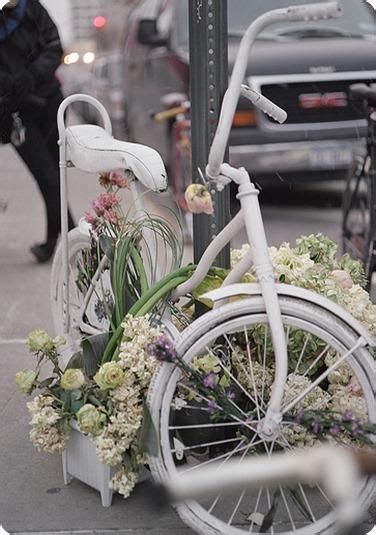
(251, 338)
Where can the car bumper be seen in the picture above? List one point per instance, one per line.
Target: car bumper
(329, 155)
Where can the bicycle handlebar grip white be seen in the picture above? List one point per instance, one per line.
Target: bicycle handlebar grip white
(264, 104)
(327, 10)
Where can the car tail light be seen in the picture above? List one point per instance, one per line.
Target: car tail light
(244, 118)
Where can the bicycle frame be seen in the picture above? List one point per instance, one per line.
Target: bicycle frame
(250, 213)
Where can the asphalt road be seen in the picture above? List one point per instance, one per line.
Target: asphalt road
(33, 497)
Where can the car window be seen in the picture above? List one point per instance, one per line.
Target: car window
(358, 18)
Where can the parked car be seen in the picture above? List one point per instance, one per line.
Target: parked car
(306, 68)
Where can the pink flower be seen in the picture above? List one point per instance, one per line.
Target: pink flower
(354, 387)
(105, 201)
(342, 278)
(198, 199)
(110, 216)
(118, 179)
(92, 220)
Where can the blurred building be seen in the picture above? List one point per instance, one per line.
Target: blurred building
(101, 20)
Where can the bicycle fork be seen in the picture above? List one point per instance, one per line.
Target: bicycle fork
(248, 197)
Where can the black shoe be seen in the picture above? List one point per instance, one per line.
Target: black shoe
(43, 251)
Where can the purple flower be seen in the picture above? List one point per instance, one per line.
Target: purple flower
(299, 417)
(355, 427)
(335, 429)
(231, 395)
(162, 349)
(212, 406)
(316, 427)
(210, 380)
(348, 416)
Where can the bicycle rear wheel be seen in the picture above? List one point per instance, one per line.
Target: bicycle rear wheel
(359, 220)
(235, 339)
(85, 317)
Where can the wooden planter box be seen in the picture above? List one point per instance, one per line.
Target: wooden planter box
(81, 462)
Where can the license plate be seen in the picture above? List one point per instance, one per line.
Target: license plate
(335, 158)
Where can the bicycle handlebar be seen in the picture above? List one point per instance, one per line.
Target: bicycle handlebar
(293, 13)
(264, 104)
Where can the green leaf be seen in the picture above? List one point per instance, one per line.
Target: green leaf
(76, 404)
(93, 349)
(46, 382)
(107, 246)
(76, 361)
(148, 438)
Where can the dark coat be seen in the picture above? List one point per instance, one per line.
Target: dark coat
(30, 53)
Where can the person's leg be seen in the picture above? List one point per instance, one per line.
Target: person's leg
(38, 159)
(48, 126)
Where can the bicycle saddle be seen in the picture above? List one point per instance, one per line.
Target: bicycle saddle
(92, 149)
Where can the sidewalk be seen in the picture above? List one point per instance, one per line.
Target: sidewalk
(33, 497)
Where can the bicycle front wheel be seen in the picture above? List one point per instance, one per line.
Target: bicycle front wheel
(233, 342)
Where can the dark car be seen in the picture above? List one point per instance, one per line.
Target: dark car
(306, 68)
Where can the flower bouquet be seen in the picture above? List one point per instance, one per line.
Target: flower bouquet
(104, 385)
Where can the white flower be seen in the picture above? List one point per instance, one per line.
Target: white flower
(288, 265)
(49, 439)
(72, 379)
(342, 278)
(237, 254)
(124, 482)
(45, 417)
(25, 380)
(296, 384)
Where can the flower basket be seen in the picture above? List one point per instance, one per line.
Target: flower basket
(81, 462)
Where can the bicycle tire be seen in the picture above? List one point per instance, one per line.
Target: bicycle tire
(195, 340)
(359, 217)
(78, 244)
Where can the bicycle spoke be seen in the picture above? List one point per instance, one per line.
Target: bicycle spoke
(214, 459)
(307, 338)
(255, 510)
(284, 499)
(202, 426)
(291, 405)
(207, 444)
(317, 359)
(252, 374)
(231, 375)
(213, 505)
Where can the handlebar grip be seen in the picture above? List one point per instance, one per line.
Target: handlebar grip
(264, 104)
(327, 10)
(168, 114)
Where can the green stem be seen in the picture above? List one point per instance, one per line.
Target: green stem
(139, 265)
(157, 296)
(146, 303)
(183, 271)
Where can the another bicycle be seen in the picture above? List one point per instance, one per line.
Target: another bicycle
(359, 199)
(340, 471)
(275, 349)
(78, 305)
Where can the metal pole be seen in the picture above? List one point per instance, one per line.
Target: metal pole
(208, 82)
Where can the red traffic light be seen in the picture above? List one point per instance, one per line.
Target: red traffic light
(99, 22)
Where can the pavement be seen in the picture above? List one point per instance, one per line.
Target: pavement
(33, 497)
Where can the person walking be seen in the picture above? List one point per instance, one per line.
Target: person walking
(30, 95)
